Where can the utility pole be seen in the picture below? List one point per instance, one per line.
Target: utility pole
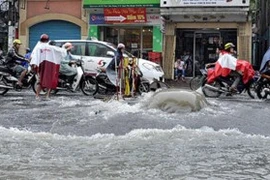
(11, 23)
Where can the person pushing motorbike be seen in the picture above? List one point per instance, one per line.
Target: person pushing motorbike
(118, 57)
(12, 59)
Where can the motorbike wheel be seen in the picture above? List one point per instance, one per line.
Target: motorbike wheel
(158, 85)
(208, 92)
(251, 90)
(96, 88)
(88, 86)
(4, 83)
(43, 91)
(261, 89)
(143, 88)
(195, 83)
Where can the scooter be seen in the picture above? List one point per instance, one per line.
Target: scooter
(105, 86)
(82, 81)
(222, 85)
(9, 79)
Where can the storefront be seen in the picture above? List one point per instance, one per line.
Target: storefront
(136, 23)
(201, 46)
(198, 28)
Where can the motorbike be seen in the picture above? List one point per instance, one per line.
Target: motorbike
(9, 79)
(263, 88)
(82, 81)
(105, 86)
(221, 85)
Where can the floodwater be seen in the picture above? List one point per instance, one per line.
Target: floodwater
(77, 137)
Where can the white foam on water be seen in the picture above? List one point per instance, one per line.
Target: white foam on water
(178, 131)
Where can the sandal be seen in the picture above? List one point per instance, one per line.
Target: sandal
(233, 90)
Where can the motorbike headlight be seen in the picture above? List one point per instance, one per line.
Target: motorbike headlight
(148, 66)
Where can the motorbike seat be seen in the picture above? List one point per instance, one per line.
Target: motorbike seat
(5, 69)
(62, 76)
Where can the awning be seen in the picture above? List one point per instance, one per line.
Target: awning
(205, 14)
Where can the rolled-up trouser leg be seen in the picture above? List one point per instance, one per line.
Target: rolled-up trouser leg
(237, 76)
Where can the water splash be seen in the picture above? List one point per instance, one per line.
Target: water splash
(175, 100)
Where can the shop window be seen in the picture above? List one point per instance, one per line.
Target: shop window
(138, 40)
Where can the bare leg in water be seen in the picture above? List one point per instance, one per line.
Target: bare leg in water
(38, 91)
(48, 93)
(21, 77)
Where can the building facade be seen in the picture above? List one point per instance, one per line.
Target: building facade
(136, 23)
(198, 27)
(60, 19)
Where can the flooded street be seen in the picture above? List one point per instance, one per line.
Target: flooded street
(73, 136)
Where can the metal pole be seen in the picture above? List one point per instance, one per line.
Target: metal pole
(10, 25)
(141, 42)
(194, 54)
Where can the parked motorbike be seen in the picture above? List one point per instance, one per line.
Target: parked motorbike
(222, 84)
(83, 81)
(9, 79)
(105, 86)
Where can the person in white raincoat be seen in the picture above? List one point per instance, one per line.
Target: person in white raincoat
(45, 60)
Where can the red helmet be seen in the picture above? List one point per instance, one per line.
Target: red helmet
(44, 38)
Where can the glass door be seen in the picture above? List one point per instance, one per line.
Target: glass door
(205, 44)
(137, 39)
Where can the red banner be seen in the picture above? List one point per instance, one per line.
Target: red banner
(125, 15)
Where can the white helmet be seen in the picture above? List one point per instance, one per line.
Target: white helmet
(120, 46)
(68, 46)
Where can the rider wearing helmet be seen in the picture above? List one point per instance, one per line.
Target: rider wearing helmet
(65, 68)
(118, 57)
(12, 61)
(229, 48)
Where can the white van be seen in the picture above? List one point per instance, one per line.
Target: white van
(97, 54)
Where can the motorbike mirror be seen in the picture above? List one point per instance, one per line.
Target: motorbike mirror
(110, 53)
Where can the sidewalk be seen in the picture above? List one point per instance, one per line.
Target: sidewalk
(179, 84)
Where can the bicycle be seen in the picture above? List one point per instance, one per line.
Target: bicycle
(196, 82)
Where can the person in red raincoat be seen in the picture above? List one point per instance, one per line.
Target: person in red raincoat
(45, 60)
(227, 65)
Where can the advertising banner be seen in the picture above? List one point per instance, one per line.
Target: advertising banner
(97, 19)
(125, 15)
(190, 3)
(120, 3)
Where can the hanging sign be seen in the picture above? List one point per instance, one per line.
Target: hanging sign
(185, 3)
(125, 15)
